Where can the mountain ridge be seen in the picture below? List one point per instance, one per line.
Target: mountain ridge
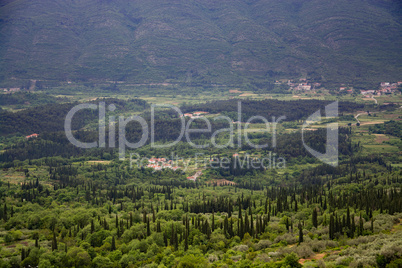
(200, 42)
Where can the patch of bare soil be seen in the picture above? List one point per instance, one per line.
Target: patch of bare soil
(317, 256)
(221, 182)
(371, 123)
(99, 162)
(380, 138)
(314, 257)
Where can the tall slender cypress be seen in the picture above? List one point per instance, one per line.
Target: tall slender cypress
(300, 233)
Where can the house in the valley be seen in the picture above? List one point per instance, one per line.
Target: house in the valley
(32, 136)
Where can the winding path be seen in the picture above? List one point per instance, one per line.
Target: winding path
(356, 117)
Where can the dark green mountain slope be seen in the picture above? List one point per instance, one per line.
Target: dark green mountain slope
(201, 41)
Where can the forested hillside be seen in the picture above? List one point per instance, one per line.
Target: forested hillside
(200, 133)
(201, 42)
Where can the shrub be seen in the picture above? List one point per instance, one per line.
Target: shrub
(391, 251)
(395, 264)
(363, 262)
(8, 238)
(285, 251)
(241, 248)
(288, 237)
(192, 261)
(291, 260)
(264, 258)
(212, 258)
(304, 251)
(317, 245)
(263, 244)
(344, 260)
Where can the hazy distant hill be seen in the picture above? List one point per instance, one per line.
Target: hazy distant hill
(205, 41)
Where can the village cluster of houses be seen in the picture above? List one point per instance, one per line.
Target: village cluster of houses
(347, 89)
(305, 85)
(32, 136)
(10, 90)
(385, 88)
(195, 176)
(195, 114)
(302, 85)
(161, 163)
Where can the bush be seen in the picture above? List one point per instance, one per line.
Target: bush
(304, 251)
(291, 260)
(264, 258)
(317, 245)
(363, 262)
(212, 258)
(391, 251)
(241, 248)
(395, 264)
(344, 260)
(262, 244)
(8, 238)
(192, 261)
(288, 237)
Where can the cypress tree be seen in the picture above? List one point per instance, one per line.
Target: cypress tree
(176, 240)
(257, 226)
(213, 221)
(314, 218)
(225, 225)
(300, 233)
(185, 241)
(5, 212)
(113, 244)
(148, 228)
(54, 242)
(246, 224)
(172, 242)
(372, 225)
(23, 256)
(331, 227)
(165, 239)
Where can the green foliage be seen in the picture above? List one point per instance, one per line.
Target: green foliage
(76, 212)
(393, 128)
(21, 99)
(291, 260)
(191, 261)
(253, 42)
